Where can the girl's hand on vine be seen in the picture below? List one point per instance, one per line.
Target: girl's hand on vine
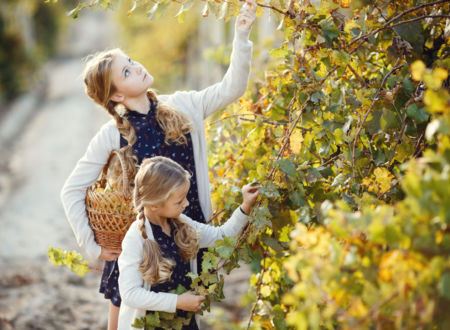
(189, 302)
(246, 16)
(250, 193)
(109, 254)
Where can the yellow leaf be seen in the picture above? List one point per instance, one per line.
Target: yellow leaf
(297, 319)
(357, 308)
(383, 179)
(439, 237)
(417, 70)
(266, 291)
(437, 101)
(351, 25)
(296, 140)
(440, 74)
(367, 182)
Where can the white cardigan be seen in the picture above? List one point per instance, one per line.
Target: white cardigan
(197, 105)
(136, 295)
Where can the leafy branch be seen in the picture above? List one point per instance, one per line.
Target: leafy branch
(72, 259)
(375, 100)
(258, 290)
(388, 25)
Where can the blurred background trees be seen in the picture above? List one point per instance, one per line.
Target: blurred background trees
(28, 36)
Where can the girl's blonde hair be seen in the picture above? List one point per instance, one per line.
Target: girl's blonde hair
(156, 180)
(100, 88)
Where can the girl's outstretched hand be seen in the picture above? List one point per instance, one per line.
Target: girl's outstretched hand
(250, 193)
(109, 254)
(189, 302)
(246, 16)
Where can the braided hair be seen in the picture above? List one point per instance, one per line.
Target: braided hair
(156, 180)
(100, 88)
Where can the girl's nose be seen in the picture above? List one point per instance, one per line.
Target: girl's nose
(139, 69)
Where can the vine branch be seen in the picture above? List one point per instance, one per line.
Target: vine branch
(258, 290)
(363, 121)
(388, 25)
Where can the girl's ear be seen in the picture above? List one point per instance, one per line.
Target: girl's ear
(117, 97)
(153, 208)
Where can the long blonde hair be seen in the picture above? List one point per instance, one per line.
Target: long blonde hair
(100, 88)
(156, 180)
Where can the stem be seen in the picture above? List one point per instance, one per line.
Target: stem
(386, 25)
(280, 154)
(363, 83)
(377, 307)
(418, 19)
(274, 8)
(369, 111)
(265, 120)
(258, 290)
(216, 215)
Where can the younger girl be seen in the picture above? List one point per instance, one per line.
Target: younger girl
(161, 246)
(146, 125)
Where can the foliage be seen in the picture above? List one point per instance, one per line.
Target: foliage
(28, 31)
(160, 45)
(339, 133)
(164, 320)
(348, 133)
(72, 259)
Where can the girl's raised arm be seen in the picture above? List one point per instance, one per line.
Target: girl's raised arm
(210, 234)
(233, 85)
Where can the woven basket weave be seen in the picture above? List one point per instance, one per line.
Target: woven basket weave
(110, 212)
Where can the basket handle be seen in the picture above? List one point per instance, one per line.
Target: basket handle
(123, 164)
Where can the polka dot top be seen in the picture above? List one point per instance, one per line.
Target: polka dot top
(150, 143)
(171, 251)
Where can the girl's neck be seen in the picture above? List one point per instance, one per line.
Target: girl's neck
(140, 103)
(157, 220)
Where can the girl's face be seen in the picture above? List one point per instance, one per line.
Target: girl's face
(175, 204)
(130, 78)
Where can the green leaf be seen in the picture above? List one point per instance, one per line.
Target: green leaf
(166, 315)
(273, 243)
(408, 85)
(152, 319)
(224, 252)
(444, 285)
(329, 30)
(139, 322)
(287, 167)
(210, 262)
(413, 33)
(419, 115)
(278, 52)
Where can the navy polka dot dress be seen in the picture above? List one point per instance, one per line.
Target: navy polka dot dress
(150, 143)
(171, 251)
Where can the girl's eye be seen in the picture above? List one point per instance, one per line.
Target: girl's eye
(129, 60)
(127, 73)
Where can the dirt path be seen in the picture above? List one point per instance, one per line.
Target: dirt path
(35, 294)
(45, 144)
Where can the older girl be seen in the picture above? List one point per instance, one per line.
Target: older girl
(147, 125)
(160, 248)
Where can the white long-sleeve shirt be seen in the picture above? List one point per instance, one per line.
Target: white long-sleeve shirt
(136, 295)
(197, 105)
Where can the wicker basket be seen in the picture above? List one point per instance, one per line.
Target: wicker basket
(110, 212)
